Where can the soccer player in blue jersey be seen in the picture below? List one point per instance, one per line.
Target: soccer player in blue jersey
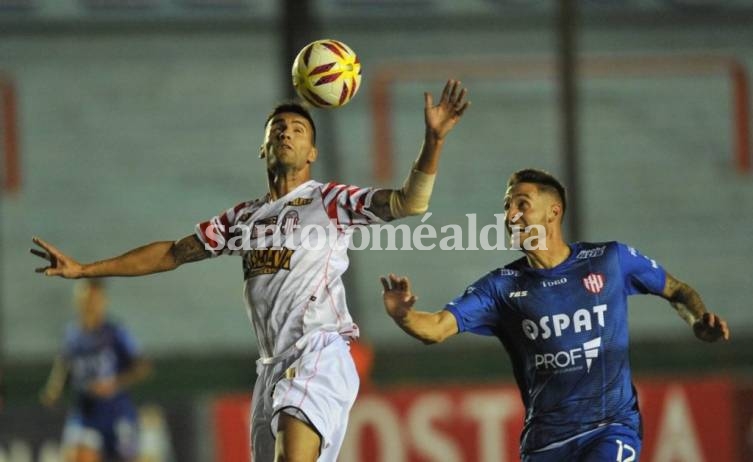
(560, 311)
(102, 360)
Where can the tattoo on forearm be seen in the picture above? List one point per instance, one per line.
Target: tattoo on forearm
(189, 249)
(685, 300)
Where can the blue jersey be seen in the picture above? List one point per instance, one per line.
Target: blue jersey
(96, 355)
(566, 332)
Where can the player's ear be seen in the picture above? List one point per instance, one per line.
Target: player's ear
(555, 211)
(262, 152)
(313, 154)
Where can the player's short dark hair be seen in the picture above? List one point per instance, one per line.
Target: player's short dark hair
(295, 108)
(543, 180)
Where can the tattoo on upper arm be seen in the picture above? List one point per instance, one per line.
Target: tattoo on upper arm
(189, 249)
(380, 204)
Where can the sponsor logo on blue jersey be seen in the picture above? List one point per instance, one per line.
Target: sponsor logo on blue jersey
(567, 360)
(557, 325)
(591, 253)
(553, 283)
(560, 323)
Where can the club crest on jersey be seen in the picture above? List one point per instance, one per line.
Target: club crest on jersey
(289, 222)
(299, 202)
(594, 282)
(265, 225)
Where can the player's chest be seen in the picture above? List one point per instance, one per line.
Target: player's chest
(578, 302)
(282, 222)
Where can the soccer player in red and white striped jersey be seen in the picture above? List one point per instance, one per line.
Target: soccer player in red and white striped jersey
(293, 243)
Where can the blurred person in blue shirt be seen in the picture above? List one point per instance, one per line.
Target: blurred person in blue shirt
(561, 314)
(101, 360)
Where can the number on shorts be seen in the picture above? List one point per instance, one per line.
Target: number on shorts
(623, 448)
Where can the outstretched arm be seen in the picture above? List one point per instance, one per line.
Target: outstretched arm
(53, 389)
(427, 327)
(439, 119)
(148, 259)
(707, 326)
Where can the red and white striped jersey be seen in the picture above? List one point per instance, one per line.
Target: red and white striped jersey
(294, 252)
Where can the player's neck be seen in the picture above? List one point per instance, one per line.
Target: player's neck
(281, 183)
(557, 251)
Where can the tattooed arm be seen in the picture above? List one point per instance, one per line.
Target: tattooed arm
(148, 259)
(687, 302)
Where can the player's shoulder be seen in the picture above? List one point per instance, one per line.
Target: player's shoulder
(242, 210)
(336, 187)
(589, 250)
(501, 277)
(112, 327)
(514, 269)
(72, 332)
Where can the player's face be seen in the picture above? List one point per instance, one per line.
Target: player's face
(527, 210)
(288, 142)
(91, 303)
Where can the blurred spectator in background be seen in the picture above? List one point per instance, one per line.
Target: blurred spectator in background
(102, 360)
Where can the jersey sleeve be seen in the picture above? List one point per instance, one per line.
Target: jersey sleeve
(218, 230)
(477, 309)
(127, 342)
(349, 205)
(642, 275)
(69, 338)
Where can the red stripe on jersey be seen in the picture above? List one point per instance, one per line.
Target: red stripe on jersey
(225, 222)
(352, 191)
(336, 187)
(203, 228)
(361, 203)
(327, 188)
(332, 211)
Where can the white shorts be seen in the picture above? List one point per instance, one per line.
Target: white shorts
(318, 386)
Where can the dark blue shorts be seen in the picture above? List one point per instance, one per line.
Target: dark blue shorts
(112, 431)
(610, 443)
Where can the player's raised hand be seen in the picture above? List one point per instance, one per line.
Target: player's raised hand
(442, 117)
(59, 263)
(398, 297)
(711, 328)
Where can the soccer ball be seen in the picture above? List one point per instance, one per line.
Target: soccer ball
(326, 73)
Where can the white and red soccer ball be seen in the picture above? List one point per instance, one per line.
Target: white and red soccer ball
(326, 73)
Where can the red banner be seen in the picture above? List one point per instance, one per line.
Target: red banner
(684, 421)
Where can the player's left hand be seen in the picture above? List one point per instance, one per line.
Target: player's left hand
(711, 328)
(398, 296)
(440, 119)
